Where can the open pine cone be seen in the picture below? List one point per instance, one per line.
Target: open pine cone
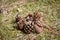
(28, 27)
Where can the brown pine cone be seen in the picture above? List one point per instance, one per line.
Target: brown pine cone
(28, 28)
(20, 22)
(37, 25)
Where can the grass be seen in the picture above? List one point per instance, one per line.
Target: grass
(49, 8)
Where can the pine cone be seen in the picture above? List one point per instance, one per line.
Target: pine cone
(20, 22)
(28, 28)
(37, 24)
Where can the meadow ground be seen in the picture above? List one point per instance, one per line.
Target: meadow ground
(49, 9)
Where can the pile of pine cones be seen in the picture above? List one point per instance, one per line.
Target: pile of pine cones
(30, 23)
